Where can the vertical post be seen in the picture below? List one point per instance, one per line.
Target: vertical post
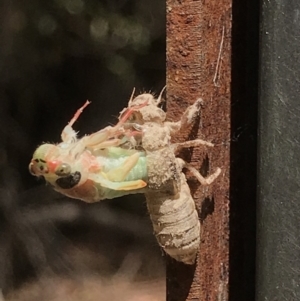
(243, 149)
(278, 222)
(198, 65)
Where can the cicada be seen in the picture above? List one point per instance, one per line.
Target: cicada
(170, 204)
(134, 156)
(94, 167)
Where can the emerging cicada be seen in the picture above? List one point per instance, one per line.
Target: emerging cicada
(169, 201)
(135, 156)
(92, 168)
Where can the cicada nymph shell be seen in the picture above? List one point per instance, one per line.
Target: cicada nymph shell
(171, 207)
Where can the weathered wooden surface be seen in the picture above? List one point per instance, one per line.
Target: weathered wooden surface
(198, 65)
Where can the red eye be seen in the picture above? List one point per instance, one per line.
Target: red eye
(52, 165)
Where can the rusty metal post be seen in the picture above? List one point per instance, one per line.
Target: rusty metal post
(199, 65)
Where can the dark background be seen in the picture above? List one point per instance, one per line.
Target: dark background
(53, 56)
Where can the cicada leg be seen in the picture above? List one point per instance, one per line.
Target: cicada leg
(107, 137)
(192, 143)
(187, 118)
(68, 134)
(178, 146)
(203, 181)
(126, 185)
(129, 185)
(104, 138)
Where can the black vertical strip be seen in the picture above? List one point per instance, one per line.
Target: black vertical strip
(243, 175)
(278, 224)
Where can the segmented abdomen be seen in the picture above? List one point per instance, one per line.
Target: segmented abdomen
(175, 222)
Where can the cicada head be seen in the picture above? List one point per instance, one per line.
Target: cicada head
(39, 164)
(57, 166)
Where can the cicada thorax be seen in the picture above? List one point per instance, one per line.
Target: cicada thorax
(144, 108)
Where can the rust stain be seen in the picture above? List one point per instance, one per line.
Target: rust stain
(199, 65)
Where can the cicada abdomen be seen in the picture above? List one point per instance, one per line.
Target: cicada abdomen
(172, 211)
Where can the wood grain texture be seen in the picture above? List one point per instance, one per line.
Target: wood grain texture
(198, 65)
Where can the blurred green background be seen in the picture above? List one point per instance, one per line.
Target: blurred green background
(53, 56)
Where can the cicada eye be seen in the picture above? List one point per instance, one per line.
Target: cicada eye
(63, 170)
